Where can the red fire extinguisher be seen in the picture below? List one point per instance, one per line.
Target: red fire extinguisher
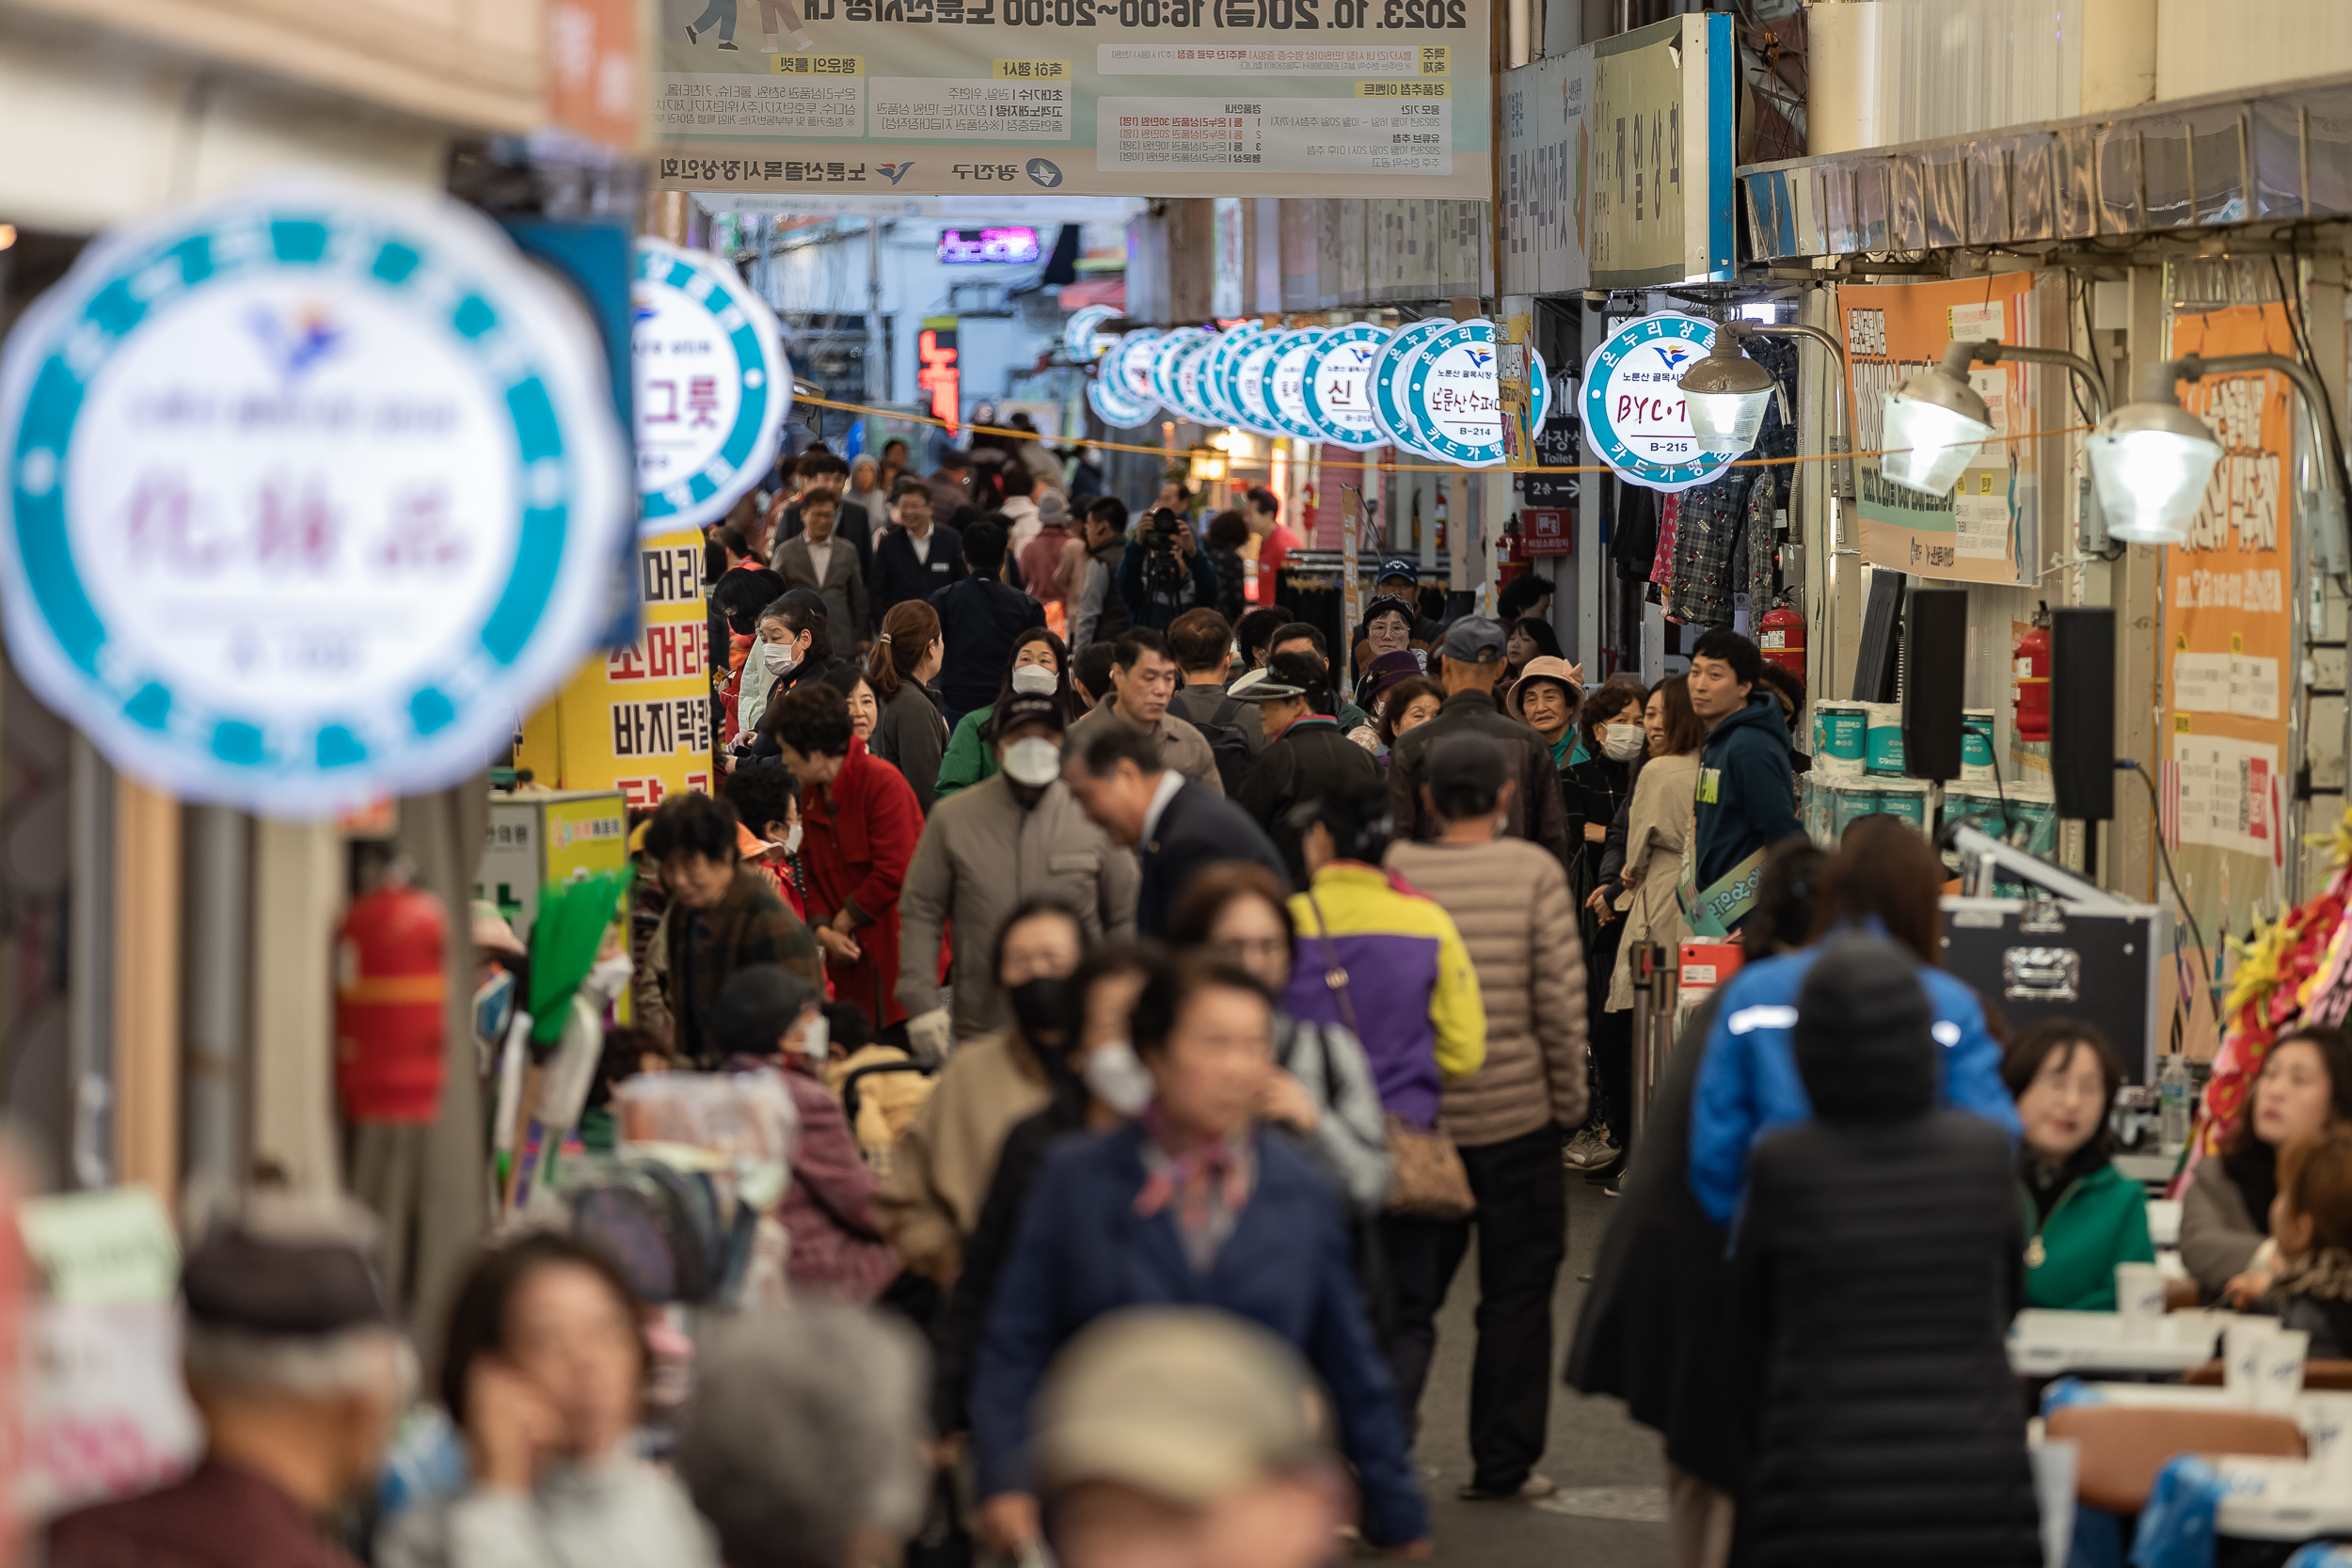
(390, 986)
(2032, 662)
(1780, 637)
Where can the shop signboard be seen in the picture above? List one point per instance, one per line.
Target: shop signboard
(1633, 411)
(1122, 392)
(1895, 330)
(1337, 386)
(310, 490)
(1453, 401)
(2228, 631)
(1391, 372)
(638, 719)
(1159, 98)
(712, 385)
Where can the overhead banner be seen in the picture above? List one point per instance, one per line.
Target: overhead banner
(638, 719)
(2229, 630)
(1224, 98)
(1974, 535)
(311, 490)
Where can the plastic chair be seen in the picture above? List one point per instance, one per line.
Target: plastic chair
(2123, 1447)
(2320, 1373)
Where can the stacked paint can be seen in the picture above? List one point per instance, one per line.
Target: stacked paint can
(1977, 737)
(1839, 738)
(1882, 739)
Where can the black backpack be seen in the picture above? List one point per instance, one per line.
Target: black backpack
(1227, 743)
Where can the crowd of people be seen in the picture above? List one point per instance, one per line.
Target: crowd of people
(1164, 1017)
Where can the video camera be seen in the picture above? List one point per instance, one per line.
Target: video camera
(1164, 570)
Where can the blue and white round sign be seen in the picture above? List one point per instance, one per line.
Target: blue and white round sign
(1127, 370)
(1453, 401)
(1635, 419)
(1082, 335)
(311, 490)
(1253, 383)
(1338, 384)
(1218, 385)
(1286, 383)
(1390, 367)
(713, 388)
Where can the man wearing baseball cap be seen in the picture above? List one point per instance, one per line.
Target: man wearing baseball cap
(1399, 578)
(1471, 660)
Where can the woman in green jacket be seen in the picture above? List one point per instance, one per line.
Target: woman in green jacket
(2083, 1216)
(971, 754)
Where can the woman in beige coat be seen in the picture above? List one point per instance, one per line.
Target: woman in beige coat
(1658, 824)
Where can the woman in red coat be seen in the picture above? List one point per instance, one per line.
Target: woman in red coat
(859, 823)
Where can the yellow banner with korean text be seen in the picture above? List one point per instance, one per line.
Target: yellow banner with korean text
(638, 718)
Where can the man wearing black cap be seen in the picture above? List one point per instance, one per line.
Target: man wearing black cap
(1307, 758)
(1014, 836)
(1471, 659)
(293, 1363)
(1400, 579)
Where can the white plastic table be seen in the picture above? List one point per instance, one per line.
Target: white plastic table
(2269, 1499)
(2047, 1343)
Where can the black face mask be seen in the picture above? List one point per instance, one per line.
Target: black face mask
(1040, 1008)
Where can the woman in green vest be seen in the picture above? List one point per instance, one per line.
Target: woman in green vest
(2083, 1216)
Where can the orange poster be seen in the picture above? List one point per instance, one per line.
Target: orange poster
(2229, 625)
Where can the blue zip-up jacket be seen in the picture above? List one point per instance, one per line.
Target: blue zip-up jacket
(1747, 795)
(1748, 1081)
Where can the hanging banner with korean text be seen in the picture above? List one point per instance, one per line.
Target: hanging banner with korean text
(1223, 98)
(1895, 330)
(638, 719)
(310, 490)
(2228, 631)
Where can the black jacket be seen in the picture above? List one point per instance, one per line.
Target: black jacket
(1195, 830)
(1747, 796)
(851, 521)
(980, 619)
(1591, 791)
(1879, 1261)
(1157, 608)
(897, 574)
(1305, 762)
(1535, 812)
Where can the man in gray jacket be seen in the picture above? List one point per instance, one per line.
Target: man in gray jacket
(1144, 682)
(985, 850)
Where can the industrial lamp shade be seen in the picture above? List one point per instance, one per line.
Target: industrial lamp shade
(2152, 462)
(1936, 423)
(1724, 396)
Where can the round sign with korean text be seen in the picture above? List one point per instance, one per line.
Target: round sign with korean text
(1253, 383)
(1390, 367)
(1188, 377)
(1633, 412)
(712, 385)
(1286, 383)
(311, 490)
(1453, 400)
(1082, 335)
(1338, 386)
(1126, 369)
(1217, 380)
(1165, 354)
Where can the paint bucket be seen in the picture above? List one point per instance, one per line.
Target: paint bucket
(1976, 735)
(1906, 798)
(1882, 743)
(1839, 738)
(1851, 802)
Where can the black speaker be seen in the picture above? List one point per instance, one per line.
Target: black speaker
(2082, 712)
(1875, 662)
(1936, 669)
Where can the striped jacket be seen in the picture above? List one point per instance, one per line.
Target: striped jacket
(1412, 995)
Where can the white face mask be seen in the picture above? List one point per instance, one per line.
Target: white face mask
(1116, 1076)
(1623, 742)
(1034, 680)
(1034, 761)
(791, 845)
(777, 656)
(817, 1039)
(608, 978)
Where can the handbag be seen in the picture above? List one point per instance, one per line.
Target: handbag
(1427, 1179)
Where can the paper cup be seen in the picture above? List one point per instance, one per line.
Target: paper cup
(2280, 1361)
(2328, 1431)
(2241, 1356)
(2139, 1300)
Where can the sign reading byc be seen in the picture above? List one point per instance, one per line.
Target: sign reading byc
(309, 491)
(1215, 98)
(1635, 419)
(712, 387)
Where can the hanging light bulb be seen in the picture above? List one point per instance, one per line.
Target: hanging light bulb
(1724, 395)
(2151, 460)
(1934, 425)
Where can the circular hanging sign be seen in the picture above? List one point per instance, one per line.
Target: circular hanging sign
(712, 385)
(1286, 383)
(1082, 335)
(309, 491)
(1389, 369)
(1453, 401)
(1253, 383)
(1111, 401)
(1164, 353)
(1187, 376)
(1337, 394)
(1128, 369)
(1634, 416)
(1216, 381)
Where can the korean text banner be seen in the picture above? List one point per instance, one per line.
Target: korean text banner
(2229, 630)
(1896, 330)
(1303, 98)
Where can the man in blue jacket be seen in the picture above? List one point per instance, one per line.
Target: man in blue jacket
(1747, 796)
(1886, 879)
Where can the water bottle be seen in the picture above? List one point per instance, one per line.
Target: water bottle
(2173, 1086)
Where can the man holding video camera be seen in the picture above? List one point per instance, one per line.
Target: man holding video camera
(1165, 572)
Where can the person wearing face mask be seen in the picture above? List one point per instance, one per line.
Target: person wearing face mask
(722, 917)
(1078, 1029)
(1655, 825)
(767, 1016)
(1038, 667)
(988, 850)
(1602, 751)
(939, 1172)
(766, 802)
